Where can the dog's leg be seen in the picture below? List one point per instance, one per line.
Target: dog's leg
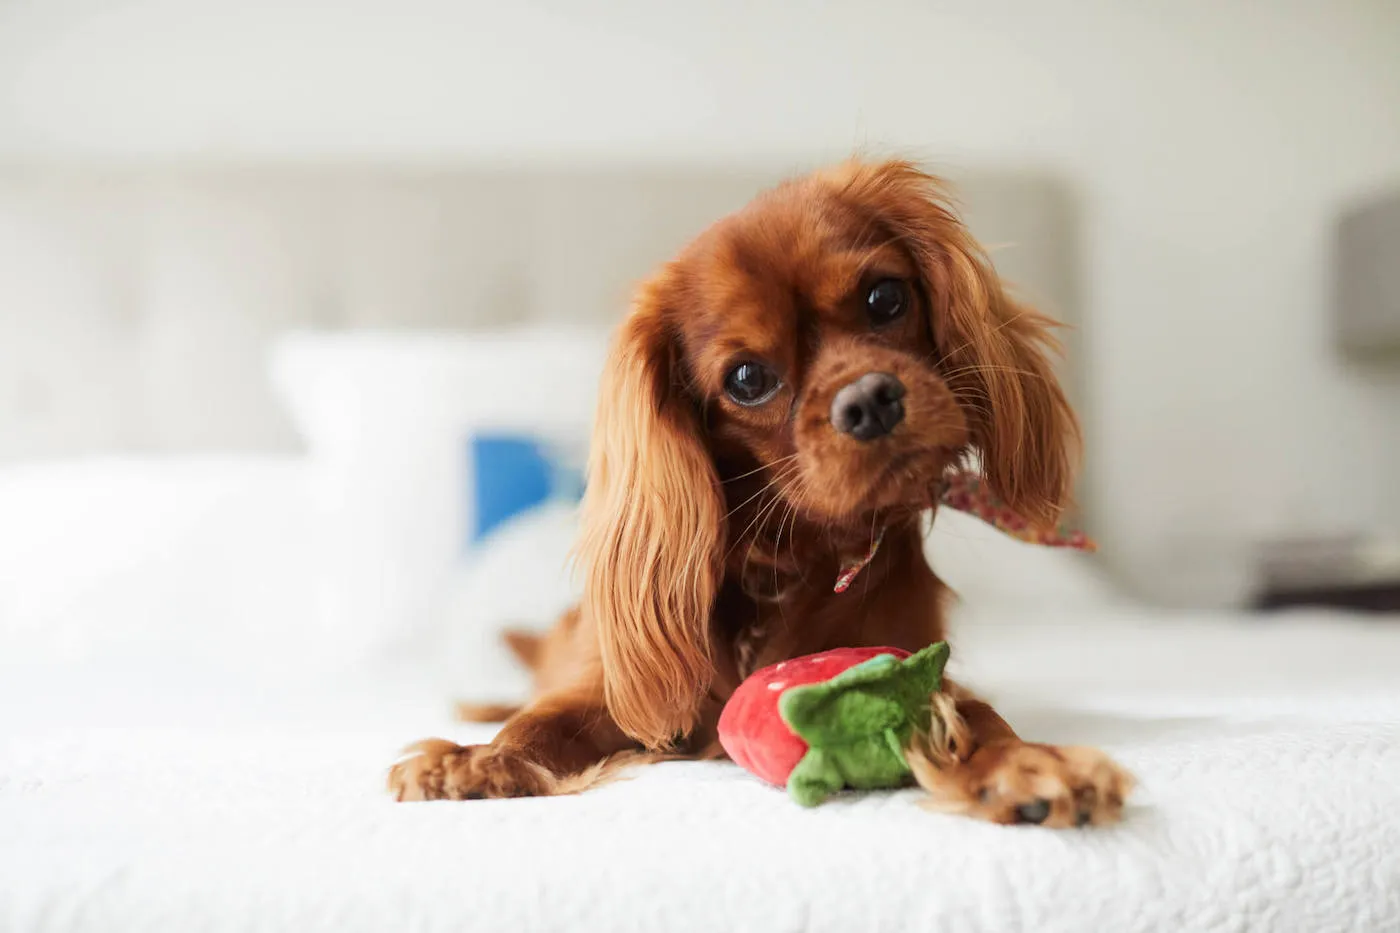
(486, 712)
(975, 764)
(560, 743)
(526, 646)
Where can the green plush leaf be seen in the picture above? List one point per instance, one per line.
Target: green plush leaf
(834, 713)
(874, 761)
(879, 694)
(924, 669)
(815, 778)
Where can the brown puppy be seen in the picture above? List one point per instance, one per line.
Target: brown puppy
(786, 392)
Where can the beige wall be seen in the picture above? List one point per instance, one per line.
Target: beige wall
(1210, 144)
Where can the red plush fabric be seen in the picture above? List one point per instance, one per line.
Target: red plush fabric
(750, 728)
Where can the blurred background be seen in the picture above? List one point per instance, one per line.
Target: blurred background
(266, 267)
(303, 306)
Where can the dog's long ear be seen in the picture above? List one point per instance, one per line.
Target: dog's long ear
(993, 351)
(652, 530)
(1029, 440)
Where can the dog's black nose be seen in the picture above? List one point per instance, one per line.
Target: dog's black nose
(868, 408)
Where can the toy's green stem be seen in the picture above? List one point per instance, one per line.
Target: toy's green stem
(858, 723)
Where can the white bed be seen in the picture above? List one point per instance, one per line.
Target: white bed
(193, 736)
(171, 761)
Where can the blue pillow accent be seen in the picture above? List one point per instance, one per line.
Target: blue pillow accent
(511, 473)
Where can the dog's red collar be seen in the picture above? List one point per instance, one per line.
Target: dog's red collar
(852, 569)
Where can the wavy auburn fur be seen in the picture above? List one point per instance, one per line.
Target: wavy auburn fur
(653, 522)
(993, 350)
(676, 612)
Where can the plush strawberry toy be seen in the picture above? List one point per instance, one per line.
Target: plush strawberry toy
(842, 718)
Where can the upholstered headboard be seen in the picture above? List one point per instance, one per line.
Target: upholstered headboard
(137, 303)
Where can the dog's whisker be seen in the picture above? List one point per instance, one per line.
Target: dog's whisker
(769, 510)
(767, 486)
(974, 368)
(1020, 313)
(767, 466)
(762, 509)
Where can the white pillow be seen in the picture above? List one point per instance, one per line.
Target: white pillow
(518, 577)
(395, 423)
(991, 571)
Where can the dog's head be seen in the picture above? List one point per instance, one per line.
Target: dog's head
(843, 339)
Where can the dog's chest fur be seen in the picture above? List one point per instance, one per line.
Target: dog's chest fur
(773, 607)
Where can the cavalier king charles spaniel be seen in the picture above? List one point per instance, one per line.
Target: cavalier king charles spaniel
(791, 388)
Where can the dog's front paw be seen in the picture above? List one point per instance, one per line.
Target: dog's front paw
(1019, 782)
(436, 769)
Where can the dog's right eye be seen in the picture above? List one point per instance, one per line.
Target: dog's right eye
(751, 384)
(886, 300)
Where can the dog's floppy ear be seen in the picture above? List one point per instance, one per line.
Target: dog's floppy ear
(993, 351)
(652, 529)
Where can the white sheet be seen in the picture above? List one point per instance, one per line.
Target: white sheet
(180, 749)
(175, 800)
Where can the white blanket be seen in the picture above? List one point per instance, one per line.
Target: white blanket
(1269, 756)
(180, 749)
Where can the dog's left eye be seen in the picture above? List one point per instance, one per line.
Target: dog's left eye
(751, 383)
(886, 300)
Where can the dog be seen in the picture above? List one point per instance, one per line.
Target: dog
(778, 408)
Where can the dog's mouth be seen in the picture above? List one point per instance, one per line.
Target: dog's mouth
(902, 463)
(907, 481)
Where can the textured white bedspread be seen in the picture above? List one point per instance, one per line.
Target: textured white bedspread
(156, 799)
